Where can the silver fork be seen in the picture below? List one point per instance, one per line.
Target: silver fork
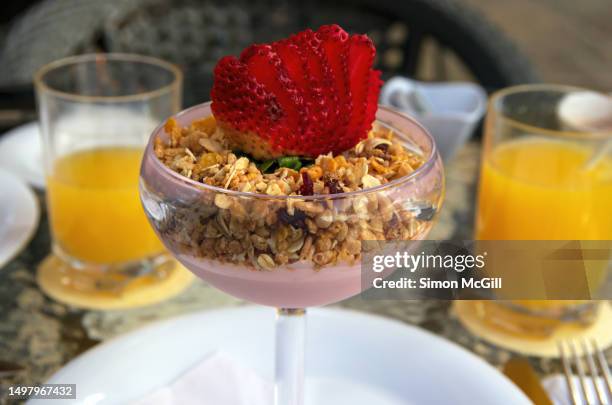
(597, 366)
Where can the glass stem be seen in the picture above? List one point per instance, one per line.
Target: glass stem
(289, 364)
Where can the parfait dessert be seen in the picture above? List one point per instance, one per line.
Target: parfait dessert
(268, 191)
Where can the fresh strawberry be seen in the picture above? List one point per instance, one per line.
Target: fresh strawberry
(307, 95)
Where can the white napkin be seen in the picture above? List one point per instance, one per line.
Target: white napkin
(558, 392)
(218, 379)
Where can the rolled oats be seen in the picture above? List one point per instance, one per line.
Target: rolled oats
(280, 259)
(274, 189)
(323, 244)
(311, 226)
(352, 247)
(307, 249)
(210, 145)
(360, 206)
(339, 229)
(296, 246)
(266, 262)
(223, 201)
(369, 181)
(323, 258)
(324, 220)
(234, 247)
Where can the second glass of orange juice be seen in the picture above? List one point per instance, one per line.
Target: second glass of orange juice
(542, 180)
(96, 215)
(96, 113)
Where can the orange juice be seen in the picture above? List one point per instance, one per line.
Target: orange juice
(95, 212)
(539, 189)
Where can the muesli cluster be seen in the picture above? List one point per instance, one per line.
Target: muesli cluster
(268, 232)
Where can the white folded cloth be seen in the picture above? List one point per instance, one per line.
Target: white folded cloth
(556, 386)
(221, 379)
(218, 379)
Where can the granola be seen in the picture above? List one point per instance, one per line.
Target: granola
(266, 233)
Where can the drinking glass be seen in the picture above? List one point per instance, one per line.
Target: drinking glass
(543, 177)
(194, 219)
(96, 112)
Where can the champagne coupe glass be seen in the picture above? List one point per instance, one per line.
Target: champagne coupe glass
(194, 219)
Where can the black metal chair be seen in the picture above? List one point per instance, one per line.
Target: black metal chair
(425, 39)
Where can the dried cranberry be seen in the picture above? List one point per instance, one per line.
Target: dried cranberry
(307, 187)
(333, 185)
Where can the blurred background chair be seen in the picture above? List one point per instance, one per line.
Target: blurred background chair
(437, 40)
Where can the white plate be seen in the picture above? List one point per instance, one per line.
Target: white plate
(18, 215)
(352, 358)
(21, 154)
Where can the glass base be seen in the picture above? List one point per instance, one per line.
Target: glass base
(531, 335)
(135, 284)
(536, 319)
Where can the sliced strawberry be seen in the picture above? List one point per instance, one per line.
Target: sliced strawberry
(334, 43)
(310, 94)
(236, 92)
(360, 57)
(290, 56)
(266, 67)
(294, 58)
(372, 101)
(325, 100)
